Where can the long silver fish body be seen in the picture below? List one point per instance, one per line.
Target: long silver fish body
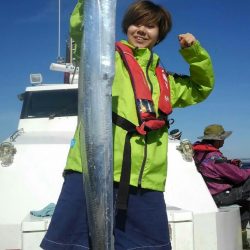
(95, 117)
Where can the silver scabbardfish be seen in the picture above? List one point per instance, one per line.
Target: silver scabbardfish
(95, 117)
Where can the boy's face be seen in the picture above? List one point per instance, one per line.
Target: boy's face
(143, 36)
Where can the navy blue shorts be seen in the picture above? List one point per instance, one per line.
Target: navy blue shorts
(143, 226)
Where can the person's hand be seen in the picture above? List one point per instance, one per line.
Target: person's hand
(236, 162)
(186, 40)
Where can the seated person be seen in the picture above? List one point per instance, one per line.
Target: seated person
(227, 183)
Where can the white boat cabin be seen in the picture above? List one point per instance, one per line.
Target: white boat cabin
(31, 177)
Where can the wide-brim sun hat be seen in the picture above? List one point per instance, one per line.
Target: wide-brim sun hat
(215, 132)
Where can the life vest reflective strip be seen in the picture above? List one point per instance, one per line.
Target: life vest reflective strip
(145, 112)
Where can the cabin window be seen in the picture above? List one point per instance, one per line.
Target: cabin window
(50, 103)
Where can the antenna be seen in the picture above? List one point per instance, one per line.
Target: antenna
(59, 58)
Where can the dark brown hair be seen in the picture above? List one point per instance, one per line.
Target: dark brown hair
(148, 13)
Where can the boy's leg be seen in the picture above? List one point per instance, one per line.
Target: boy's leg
(69, 228)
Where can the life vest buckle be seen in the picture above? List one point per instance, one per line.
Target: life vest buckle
(150, 125)
(141, 129)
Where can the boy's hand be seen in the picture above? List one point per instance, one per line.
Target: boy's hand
(186, 40)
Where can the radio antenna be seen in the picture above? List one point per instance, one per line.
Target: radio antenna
(59, 58)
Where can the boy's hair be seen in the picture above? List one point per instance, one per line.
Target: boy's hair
(148, 13)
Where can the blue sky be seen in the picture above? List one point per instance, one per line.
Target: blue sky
(29, 43)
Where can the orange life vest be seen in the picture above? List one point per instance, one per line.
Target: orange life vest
(143, 97)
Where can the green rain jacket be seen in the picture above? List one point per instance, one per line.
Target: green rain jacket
(76, 27)
(149, 159)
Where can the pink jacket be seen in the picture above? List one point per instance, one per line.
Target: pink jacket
(222, 175)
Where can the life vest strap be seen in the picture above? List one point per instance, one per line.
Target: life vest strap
(123, 190)
(123, 123)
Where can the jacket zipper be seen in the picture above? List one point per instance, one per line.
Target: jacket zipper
(143, 162)
(148, 79)
(146, 145)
